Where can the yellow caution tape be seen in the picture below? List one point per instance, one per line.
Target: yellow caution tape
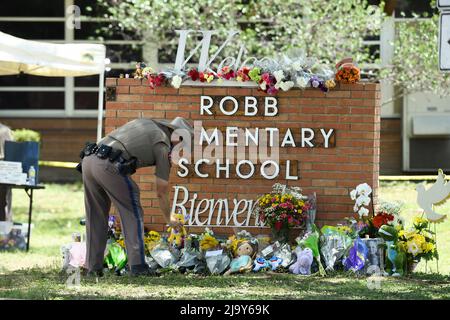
(410, 178)
(58, 164)
(71, 165)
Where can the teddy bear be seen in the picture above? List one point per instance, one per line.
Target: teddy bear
(177, 234)
(139, 73)
(304, 261)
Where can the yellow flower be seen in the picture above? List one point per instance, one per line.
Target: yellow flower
(410, 234)
(330, 84)
(208, 242)
(345, 229)
(427, 247)
(420, 220)
(402, 245)
(121, 242)
(153, 236)
(419, 239)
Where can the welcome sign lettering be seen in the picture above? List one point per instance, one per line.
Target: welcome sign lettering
(238, 152)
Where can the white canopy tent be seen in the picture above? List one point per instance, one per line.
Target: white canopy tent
(54, 60)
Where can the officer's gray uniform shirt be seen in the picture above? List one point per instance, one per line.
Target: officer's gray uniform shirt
(145, 140)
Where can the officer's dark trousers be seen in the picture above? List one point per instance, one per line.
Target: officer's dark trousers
(103, 184)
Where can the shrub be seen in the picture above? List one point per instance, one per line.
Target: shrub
(22, 135)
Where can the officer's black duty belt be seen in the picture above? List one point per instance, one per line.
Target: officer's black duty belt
(125, 166)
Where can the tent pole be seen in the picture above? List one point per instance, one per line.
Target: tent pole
(100, 105)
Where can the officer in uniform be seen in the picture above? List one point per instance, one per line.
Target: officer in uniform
(106, 168)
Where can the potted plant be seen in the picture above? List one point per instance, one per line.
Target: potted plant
(25, 149)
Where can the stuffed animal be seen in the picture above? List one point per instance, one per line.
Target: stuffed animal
(396, 258)
(177, 234)
(260, 264)
(139, 73)
(244, 255)
(304, 261)
(275, 262)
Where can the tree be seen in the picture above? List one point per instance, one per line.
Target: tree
(415, 64)
(326, 30)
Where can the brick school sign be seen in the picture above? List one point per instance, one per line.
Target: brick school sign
(325, 143)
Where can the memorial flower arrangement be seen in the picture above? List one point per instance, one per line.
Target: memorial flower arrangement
(281, 210)
(226, 73)
(208, 241)
(367, 226)
(417, 241)
(347, 71)
(270, 75)
(361, 196)
(316, 251)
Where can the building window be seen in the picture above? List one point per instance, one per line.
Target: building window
(32, 96)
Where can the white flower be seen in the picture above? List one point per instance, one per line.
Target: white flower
(176, 82)
(302, 82)
(297, 66)
(363, 212)
(286, 85)
(263, 86)
(353, 195)
(362, 200)
(355, 208)
(413, 248)
(279, 75)
(364, 189)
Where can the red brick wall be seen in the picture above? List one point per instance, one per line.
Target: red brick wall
(62, 139)
(352, 110)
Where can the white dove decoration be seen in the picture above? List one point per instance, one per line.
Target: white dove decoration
(436, 194)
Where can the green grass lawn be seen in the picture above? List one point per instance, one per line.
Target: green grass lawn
(57, 211)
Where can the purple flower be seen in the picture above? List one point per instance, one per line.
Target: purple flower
(314, 82)
(323, 87)
(272, 90)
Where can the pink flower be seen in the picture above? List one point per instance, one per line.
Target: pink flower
(266, 78)
(278, 225)
(227, 73)
(272, 90)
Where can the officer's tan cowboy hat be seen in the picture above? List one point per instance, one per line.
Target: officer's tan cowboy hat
(178, 123)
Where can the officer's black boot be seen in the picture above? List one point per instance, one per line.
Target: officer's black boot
(142, 270)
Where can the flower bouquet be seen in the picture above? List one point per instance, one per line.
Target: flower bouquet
(281, 210)
(347, 71)
(418, 243)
